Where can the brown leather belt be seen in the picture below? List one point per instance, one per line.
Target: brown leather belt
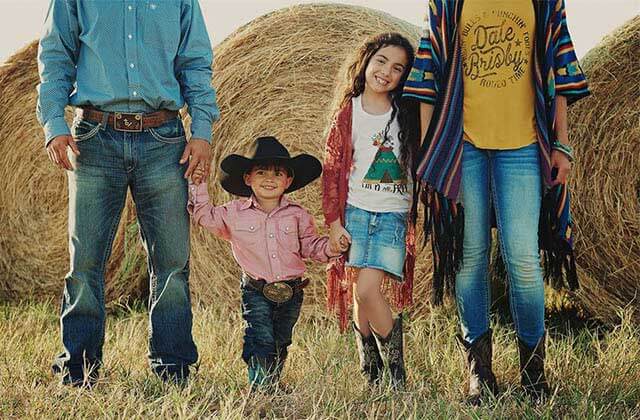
(277, 292)
(129, 122)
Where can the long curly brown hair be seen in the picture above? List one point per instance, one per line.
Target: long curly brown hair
(406, 111)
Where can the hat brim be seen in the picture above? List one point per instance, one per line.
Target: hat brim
(306, 169)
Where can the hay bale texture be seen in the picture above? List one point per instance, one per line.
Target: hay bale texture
(605, 130)
(274, 76)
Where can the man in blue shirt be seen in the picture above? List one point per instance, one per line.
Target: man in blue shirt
(127, 66)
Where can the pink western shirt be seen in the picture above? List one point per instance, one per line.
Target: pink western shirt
(269, 246)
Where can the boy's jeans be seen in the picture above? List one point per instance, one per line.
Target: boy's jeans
(267, 334)
(110, 163)
(509, 180)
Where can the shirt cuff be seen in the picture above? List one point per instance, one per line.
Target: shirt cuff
(328, 254)
(197, 194)
(201, 130)
(55, 127)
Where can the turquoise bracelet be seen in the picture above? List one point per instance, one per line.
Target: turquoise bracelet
(564, 148)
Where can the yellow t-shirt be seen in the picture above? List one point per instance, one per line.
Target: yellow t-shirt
(497, 54)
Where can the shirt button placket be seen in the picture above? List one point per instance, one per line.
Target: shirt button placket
(271, 246)
(131, 50)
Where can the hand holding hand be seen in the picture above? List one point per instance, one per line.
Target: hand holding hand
(198, 153)
(345, 242)
(198, 175)
(339, 238)
(57, 151)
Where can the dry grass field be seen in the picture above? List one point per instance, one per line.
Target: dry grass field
(594, 372)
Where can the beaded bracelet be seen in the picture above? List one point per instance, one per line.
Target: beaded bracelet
(564, 148)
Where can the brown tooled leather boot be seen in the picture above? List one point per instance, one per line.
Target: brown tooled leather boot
(391, 350)
(478, 357)
(532, 369)
(371, 364)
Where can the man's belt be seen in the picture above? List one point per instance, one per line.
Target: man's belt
(129, 122)
(277, 292)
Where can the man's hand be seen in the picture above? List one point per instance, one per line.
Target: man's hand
(57, 151)
(561, 162)
(198, 153)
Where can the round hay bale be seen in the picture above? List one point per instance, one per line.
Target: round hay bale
(605, 130)
(33, 203)
(277, 76)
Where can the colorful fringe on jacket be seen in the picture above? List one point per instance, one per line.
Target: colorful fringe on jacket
(436, 79)
(335, 186)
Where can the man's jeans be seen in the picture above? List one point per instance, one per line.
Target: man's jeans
(267, 334)
(510, 182)
(110, 163)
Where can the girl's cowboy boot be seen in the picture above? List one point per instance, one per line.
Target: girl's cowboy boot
(532, 369)
(390, 348)
(478, 357)
(371, 364)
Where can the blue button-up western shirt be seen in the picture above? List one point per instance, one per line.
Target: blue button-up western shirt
(126, 56)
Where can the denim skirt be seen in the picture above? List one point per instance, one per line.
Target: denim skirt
(377, 240)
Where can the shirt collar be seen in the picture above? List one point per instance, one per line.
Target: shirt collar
(251, 202)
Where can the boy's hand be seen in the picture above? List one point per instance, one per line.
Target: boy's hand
(344, 243)
(198, 175)
(339, 238)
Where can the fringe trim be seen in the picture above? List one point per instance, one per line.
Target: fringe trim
(555, 235)
(444, 221)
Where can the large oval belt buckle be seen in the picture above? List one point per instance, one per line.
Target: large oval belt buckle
(278, 292)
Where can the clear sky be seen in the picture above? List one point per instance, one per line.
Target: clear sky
(589, 20)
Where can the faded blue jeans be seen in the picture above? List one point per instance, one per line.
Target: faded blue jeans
(110, 163)
(510, 181)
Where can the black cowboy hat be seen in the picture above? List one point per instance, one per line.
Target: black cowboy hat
(268, 150)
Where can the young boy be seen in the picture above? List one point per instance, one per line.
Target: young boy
(269, 236)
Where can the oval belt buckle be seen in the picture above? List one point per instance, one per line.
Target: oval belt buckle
(279, 292)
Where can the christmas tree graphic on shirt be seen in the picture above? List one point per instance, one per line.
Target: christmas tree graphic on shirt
(385, 172)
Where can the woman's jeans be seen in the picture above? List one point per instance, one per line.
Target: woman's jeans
(508, 181)
(147, 164)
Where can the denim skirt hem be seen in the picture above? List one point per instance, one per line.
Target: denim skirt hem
(377, 240)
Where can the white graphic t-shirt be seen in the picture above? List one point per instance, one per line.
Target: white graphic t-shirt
(377, 182)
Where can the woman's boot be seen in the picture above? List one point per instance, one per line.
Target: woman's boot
(532, 369)
(478, 357)
(371, 364)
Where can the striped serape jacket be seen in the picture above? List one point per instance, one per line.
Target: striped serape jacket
(436, 79)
